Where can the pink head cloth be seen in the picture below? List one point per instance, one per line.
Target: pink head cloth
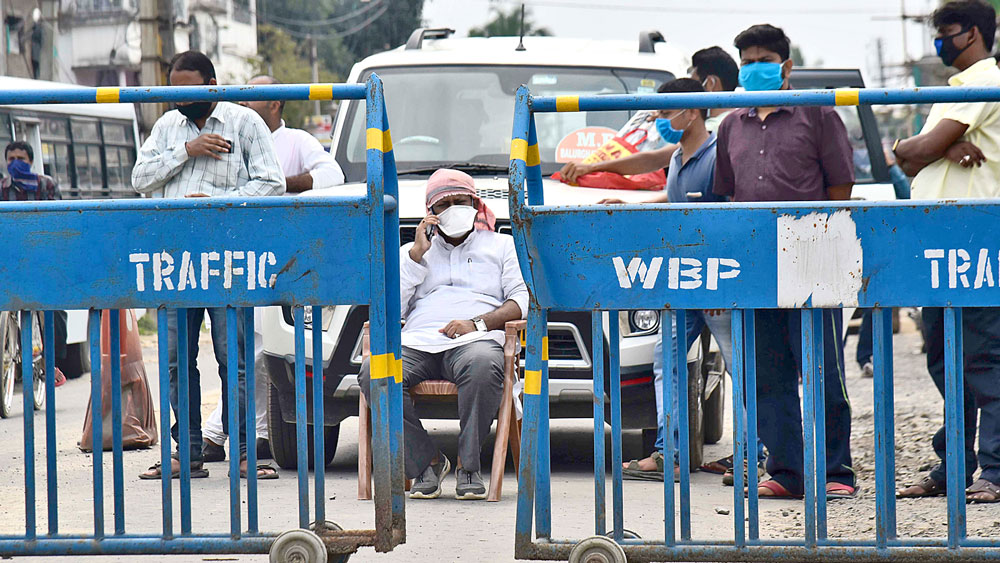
(446, 182)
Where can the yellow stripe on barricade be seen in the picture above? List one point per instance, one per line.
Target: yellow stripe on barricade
(545, 348)
(532, 382)
(533, 158)
(107, 95)
(846, 97)
(321, 91)
(519, 150)
(386, 365)
(567, 103)
(379, 140)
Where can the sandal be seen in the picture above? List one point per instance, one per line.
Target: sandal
(633, 472)
(983, 487)
(729, 478)
(265, 471)
(719, 466)
(775, 491)
(155, 471)
(835, 490)
(926, 487)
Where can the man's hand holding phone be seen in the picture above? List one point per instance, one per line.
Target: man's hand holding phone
(208, 144)
(422, 242)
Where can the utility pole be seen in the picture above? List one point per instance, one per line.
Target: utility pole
(156, 41)
(881, 62)
(314, 63)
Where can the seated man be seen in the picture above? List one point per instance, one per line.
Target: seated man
(459, 284)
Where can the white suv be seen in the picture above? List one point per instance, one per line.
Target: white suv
(450, 104)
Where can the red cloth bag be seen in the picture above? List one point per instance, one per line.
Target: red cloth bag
(614, 149)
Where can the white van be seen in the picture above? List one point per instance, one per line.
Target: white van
(450, 104)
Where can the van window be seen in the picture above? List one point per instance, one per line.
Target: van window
(446, 114)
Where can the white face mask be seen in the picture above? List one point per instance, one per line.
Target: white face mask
(457, 220)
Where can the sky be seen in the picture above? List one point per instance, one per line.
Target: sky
(841, 34)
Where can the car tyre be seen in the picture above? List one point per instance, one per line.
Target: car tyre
(282, 436)
(715, 413)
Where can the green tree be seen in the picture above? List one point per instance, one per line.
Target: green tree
(507, 23)
(287, 59)
(345, 30)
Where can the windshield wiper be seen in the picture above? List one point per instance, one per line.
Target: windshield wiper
(470, 167)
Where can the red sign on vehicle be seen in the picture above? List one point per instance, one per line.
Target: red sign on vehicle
(580, 143)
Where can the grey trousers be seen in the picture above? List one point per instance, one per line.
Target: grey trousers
(477, 369)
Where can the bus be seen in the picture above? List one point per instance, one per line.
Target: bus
(88, 149)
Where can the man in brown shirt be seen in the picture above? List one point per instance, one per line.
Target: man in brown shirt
(789, 154)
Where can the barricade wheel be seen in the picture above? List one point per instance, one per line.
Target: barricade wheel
(626, 533)
(597, 549)
(298, 546)
(329, 526)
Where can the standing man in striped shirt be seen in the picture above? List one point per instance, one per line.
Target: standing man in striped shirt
(206, 149)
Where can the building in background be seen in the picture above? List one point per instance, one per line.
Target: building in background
(97, 42)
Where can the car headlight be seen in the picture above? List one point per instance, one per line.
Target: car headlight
(644, 321)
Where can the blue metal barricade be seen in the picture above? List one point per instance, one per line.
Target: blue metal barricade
(748, 258)
(230, 253)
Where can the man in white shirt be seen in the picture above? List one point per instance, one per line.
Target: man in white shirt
(458, 287)
(203, 149)
(306, 166)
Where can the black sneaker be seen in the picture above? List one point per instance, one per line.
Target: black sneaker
(210, 451)
(469, 485)
(428, 484)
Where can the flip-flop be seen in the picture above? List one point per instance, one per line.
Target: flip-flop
(719, 466)
(155, 471)
(983, 486)
(632, 472)
(265, 471)
(835, 490)
(779, 492)
(929, 486)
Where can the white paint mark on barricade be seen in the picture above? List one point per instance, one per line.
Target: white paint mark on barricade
(819, 260)
(235, 264)
(682, 272)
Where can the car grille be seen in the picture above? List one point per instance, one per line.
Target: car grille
(563, 346)
(491, 193)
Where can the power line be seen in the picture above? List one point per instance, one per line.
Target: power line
(577, 4)
(351, 31)
(327, 21)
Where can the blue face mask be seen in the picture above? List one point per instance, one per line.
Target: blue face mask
(22, 176)
(667, 132)
(761, 76)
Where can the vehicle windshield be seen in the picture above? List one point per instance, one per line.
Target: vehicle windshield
(447, 115)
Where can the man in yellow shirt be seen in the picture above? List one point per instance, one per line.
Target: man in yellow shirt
(957, 155)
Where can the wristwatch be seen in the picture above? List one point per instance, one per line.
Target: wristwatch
(480, 324)
(894, 145)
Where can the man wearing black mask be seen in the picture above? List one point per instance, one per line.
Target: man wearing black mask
(177, 158)
(206, 149)
(957, 156)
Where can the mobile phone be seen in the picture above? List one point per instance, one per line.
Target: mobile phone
(230, 143)
(429, 231)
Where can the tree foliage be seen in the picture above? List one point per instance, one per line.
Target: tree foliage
(355, 31)
(287, 59)
(507, 23)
